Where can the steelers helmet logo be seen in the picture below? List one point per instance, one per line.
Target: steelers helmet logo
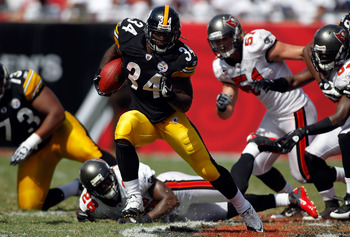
(15, 103)
(162, 66)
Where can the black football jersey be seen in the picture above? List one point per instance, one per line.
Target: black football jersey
(144, 70)
(18, 118)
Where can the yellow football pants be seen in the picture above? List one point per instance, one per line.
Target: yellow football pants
(177, 131)
(35, 173)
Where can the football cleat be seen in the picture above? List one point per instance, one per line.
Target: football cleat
(252, 220)
(290, 212)
(299, 198)
(342, 212)
(133, 207)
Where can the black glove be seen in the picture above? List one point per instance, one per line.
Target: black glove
(222, 101)
(291, 139)
(265, 143)
(140, 219)
(85, 216)
(166, 88)
(96, 81)
(280, 84)
(329, 90)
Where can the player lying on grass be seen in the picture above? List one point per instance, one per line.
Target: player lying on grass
(172, 196)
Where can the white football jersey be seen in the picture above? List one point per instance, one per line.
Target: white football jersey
(254, 66)
(191, 190)
(101, 210)
(341, 78)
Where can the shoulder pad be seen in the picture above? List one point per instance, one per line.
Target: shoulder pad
(127, 29)
(32, 83)
(187, 62)
(258, 41)
(342, 77)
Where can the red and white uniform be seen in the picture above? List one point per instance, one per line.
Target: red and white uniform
(101, 210)
(197, 197)
(341, 80)
(285, 111)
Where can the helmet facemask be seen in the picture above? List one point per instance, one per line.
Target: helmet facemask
(99, 179)
(327, 61)
(105, 187)
(225, 35)
(162, 29)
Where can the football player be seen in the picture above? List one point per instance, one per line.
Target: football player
(172, 196)
(34, 120)
(241, 59)
(327, 41)
(158, 67)
(329, 60)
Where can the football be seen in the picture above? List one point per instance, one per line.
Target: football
(112, 77)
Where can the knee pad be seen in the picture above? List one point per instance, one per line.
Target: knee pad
(321, 175)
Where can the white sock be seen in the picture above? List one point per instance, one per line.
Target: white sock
(347, 182)
(328, 195)
(286, 189)
(340, 174)
(132, 187)
(282, 199)
(70, 189)
(240, 203)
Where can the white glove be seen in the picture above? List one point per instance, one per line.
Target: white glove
(25, 149)
(329, 90)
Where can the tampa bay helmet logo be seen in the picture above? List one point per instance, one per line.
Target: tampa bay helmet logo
(341, 36)
(232, 22)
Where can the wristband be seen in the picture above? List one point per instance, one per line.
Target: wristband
(34, 140)
(281, 85)
(222, 109)
(322, 126)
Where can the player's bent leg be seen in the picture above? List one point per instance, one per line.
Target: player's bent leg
(128, 163)
(323, 176)
(242, 170)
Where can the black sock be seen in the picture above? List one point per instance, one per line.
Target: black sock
(128, 161)
(54, 196)
(225, 183)
(273, 179)
(106, 156)
(344, 141)
(242, 170)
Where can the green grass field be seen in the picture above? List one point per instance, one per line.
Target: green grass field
(61, 220)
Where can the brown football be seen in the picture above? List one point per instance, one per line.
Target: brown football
(112, 77)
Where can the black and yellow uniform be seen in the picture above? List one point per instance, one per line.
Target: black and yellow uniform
(19, 119)
(150, 116)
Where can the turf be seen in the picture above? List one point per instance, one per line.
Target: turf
(61, 220)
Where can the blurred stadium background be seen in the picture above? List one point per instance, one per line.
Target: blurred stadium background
(64, 40)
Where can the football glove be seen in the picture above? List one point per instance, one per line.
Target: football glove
(140, 219)
(265, 143)
(330, 90)
(291, 139)
(222, 101)
(96, 81)
(166, 88)
(25, 149)
(85, 216)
